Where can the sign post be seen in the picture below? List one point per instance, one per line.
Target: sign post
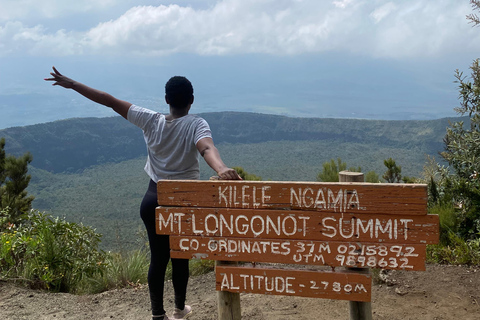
(346, 224)
(359, 310)
(228, 303)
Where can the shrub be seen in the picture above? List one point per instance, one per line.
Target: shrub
(121, 270)
(49, 253)
(454, 247)
(201, 266)
(457, 252)
(131, 270)
(247, 176)
(448, 221)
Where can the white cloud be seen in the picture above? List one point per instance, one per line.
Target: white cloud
(147, 30)
(230, 27)
(381, 12)
(383, 28)
(35, 40)
(28, 9)
(425, 28)
(342, 3)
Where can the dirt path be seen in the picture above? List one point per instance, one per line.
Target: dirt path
(440, 293)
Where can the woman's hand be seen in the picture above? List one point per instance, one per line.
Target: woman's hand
(228, 174)
(60, 80)
(210, 153)
(119, 106)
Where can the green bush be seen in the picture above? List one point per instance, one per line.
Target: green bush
(457, 252)
(247, 176)
(448, 221)
(121, 270)
(201, 266)
(453, 247)
(49, 253)
(131, 269)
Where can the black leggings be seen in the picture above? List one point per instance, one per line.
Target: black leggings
(160, 255)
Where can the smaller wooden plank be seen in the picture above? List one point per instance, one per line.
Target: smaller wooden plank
(383, 198)
(301, 225)
(317, 284)
(333, 254)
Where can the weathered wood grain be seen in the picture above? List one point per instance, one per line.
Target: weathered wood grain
(383, 198)
(333, 254)
(318, 284)
(298, 225)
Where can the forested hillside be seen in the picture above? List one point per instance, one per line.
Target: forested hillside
(90, 170)
(75, 144)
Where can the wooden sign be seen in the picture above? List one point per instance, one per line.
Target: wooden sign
(318, 284)
(352, 225)
(373, 198)
(333, 254)
(301, 225)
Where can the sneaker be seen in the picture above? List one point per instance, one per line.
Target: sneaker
(164, 317)
(182, 314)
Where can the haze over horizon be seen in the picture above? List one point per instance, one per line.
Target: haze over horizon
(364, 59)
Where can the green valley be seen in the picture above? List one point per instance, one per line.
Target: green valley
(90, 170)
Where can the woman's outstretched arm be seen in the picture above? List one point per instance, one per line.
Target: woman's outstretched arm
(119, 106)
(211, 155)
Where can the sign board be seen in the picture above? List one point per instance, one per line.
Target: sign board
(378, 198)
(329, 253)
(333, 224)
(328, 285)
(294, 224)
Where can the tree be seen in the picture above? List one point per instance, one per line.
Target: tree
(372, 177)
(473, 17)
(331, 169)
(462, 145)
(247, 176)
(462, 151)
(407, 179)
(13, 184)
(393, 173)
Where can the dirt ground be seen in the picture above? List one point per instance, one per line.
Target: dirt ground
(440, 293)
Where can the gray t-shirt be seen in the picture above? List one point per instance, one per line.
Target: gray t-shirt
(171, 144)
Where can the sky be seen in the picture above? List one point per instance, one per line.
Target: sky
(369, 59)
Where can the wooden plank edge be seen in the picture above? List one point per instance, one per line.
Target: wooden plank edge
(343, 285)
(321, 253)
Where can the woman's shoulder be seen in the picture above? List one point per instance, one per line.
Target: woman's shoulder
(138, 109)
(194, 118)
(143, 117)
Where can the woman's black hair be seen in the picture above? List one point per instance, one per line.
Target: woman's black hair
(179, 92)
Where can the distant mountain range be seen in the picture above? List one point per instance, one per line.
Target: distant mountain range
(90, 170)
(75, 144)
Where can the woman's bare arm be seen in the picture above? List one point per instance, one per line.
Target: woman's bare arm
(211, 155)
(119, 106)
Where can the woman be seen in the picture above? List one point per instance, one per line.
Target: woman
(174, 142)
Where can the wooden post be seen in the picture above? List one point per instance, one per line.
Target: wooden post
(228, 303)
(348, 176)
(358, 310)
